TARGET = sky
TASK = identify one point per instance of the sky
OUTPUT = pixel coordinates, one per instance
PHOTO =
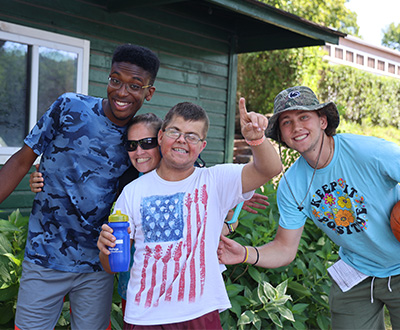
(373, 16)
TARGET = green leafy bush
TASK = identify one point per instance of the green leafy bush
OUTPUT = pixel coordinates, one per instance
(300, 299)
(291, 297)
(13, 234)
(362, 97)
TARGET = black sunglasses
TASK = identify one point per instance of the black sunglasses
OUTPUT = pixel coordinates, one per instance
(145, 144)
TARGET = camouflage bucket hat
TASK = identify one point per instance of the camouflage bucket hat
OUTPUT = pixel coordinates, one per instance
(300, 98)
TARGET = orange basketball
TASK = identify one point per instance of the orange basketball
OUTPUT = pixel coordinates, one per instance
(395, 220)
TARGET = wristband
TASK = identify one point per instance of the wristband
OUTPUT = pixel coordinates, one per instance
(236, 213)
(258, 256)
(255, 143)
(246, 254)
(230, 227)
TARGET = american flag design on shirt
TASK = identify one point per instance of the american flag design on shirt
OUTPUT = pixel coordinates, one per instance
(173, 267)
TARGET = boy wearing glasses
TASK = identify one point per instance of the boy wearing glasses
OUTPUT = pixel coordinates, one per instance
(81, 140)
(177, 213)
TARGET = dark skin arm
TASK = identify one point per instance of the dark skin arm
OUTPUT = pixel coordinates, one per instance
(14, 170)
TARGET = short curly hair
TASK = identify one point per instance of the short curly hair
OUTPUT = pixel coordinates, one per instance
(140, 56)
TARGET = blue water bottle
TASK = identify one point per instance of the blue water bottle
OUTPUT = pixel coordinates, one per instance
(119, 257)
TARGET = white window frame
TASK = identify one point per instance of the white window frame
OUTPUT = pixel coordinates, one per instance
(37, 38)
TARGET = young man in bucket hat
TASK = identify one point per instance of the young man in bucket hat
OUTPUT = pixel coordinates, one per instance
(347, 184)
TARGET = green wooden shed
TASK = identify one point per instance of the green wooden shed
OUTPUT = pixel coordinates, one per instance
(197, 42)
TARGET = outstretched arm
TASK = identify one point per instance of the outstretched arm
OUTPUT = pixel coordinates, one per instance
(266, 163)
(280, 252)
(14, 170)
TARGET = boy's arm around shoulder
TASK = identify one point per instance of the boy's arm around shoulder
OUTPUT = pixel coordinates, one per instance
(266, 163)
(14, 170)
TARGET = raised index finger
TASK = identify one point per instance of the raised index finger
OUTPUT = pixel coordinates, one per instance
(242, 109)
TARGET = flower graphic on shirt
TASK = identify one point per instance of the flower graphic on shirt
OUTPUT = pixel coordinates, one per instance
(329, 199)
(360, 200)
(344, 202)
(316, 213)
(338, 206)
(344, 218)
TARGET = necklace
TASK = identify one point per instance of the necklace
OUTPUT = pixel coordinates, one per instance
(330, 153)
(299, 207)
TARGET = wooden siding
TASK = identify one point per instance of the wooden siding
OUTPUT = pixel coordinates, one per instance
(21, 199)
(194, 55)
(197, 63)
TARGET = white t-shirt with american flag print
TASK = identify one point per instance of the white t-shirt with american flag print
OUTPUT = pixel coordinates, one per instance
(176, 227)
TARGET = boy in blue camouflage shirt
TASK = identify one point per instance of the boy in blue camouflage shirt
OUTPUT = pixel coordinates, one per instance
(80, 139)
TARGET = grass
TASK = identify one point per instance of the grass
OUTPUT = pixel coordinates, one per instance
(388, 325)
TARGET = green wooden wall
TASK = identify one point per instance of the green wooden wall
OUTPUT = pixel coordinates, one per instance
(21, 199)
(197, 60)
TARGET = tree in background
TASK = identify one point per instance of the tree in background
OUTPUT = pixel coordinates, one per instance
(262, 75)
(391, 36)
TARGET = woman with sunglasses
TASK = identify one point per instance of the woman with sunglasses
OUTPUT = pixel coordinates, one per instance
(142, 146)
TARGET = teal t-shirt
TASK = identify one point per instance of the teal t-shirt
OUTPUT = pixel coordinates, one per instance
(350, 200)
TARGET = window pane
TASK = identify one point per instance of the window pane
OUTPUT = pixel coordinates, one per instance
(13, 93)
(371, 62)
(57, 75)
(339, 53)
(360, 59)
(349, 56)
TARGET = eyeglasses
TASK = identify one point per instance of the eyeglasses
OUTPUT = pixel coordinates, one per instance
(145, 144)
(131, 88)
(189, 138)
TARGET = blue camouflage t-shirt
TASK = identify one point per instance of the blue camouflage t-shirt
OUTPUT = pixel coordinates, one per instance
(82, 158)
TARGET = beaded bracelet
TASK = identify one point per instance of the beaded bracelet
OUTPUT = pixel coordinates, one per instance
(246, 254)
(258, 256)
(255, 143)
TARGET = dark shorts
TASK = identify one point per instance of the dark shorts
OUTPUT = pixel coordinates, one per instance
(210, 321)
(362, 307)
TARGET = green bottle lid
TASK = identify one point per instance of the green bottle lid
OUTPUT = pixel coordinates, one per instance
(118, 217)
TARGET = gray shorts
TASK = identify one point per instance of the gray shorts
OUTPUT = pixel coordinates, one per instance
(42, 291)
